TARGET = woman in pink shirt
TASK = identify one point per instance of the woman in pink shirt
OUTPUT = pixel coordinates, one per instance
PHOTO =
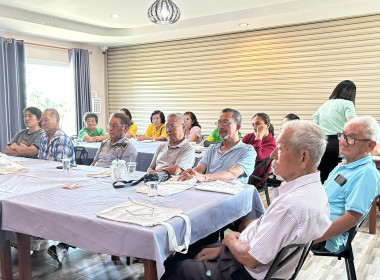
(262, 139)
(192, 128)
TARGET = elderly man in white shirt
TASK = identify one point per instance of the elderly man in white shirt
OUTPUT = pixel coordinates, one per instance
(298, 215)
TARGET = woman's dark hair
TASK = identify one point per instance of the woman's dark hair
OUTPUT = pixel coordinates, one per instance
(344, 90)
(193, 119)
(266, 120)
(34, 111)
(90, 115)
(127, 112)
(162, 116)
(292, 117)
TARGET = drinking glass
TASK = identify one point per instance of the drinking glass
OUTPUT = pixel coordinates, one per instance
(66, 164)
(131, 169)
(152, 187)
(119, 170)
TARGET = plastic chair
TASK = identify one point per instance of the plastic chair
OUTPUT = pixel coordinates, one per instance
(273, 181)
(81, 155)
(286, 254)
(262, 185)
(346, 252)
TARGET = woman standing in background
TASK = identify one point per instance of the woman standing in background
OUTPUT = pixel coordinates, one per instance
(332, 116)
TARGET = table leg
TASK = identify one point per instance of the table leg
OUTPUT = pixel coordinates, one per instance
(150, 269)
(24, 261)
(6, 264)
(372, 217)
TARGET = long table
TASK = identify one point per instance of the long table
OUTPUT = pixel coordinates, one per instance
(41, 175)
(70, 216)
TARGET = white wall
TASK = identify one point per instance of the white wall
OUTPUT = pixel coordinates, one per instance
(97, 65)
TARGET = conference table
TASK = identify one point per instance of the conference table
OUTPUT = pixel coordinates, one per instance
(145, 149)
(43, 208)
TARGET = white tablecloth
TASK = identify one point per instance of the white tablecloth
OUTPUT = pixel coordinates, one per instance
(42, 175)
(69, 215)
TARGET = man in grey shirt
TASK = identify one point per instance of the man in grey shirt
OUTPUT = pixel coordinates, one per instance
(26, 142)
(117, 146)
(176, 154)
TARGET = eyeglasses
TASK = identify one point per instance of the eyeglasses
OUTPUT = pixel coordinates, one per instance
(114, 126)
(172, 126)
(349, 139)
(224, 123)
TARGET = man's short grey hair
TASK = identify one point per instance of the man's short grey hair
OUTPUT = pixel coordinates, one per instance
(309, 136)
(124, 119)
(53, 113)
(235, 115)
(370, 126)
(178, 116)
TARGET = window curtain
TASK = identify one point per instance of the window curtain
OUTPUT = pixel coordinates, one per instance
(12, 89)
(79, 64)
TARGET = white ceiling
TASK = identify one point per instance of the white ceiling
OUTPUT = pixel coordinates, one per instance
(89, 21)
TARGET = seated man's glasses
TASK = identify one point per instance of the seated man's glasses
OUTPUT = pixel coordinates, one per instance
(172, 126)
(349, 139)
(224, 123)
(114, 126)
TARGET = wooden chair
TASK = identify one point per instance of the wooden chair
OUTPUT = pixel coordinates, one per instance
(283, 257)
(261, 184)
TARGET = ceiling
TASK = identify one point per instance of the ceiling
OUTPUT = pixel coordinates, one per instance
(90, 21)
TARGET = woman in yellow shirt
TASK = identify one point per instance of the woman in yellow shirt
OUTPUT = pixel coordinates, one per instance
(133, 128)
(156, 130)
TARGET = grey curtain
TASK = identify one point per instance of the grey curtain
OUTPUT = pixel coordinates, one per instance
(12, 89)
(79, 64)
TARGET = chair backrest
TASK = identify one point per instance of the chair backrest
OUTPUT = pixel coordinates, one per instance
(266, 162)
(143, 161)
(287, 254)
(346, 252)
(273, 181)
(352, 232)
(81, 155)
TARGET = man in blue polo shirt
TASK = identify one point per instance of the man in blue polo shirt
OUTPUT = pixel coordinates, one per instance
(229, 160)
(352, 185)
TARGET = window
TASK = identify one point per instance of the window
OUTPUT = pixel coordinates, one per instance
(49, 85)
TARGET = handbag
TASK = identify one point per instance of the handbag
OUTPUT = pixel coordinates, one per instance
(159, 176)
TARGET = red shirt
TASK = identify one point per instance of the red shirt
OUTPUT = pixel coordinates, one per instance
(263, 150)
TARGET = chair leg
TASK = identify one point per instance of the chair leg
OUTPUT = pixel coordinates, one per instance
(221, 234)
(267, 196)
(350, 269)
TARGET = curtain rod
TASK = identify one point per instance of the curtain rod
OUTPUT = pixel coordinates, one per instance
(42, 45)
